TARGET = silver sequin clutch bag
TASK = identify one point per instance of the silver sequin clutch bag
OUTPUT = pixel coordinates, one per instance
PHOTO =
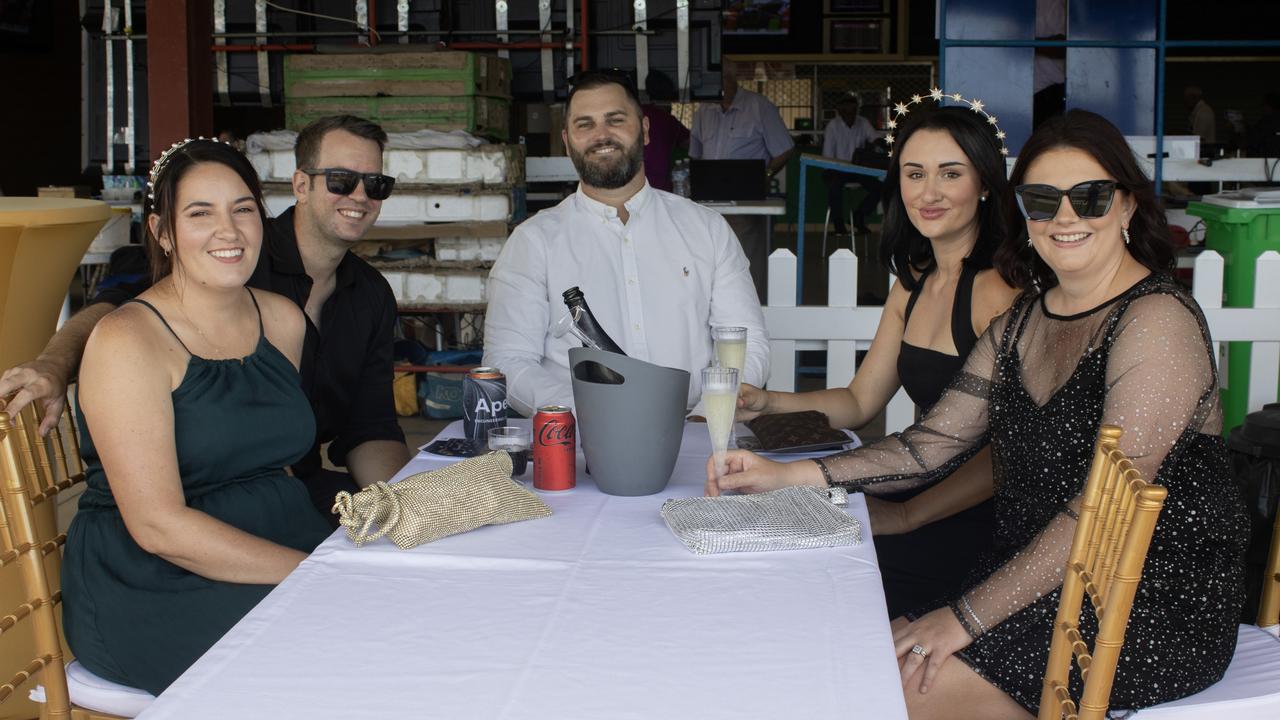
(793, 518)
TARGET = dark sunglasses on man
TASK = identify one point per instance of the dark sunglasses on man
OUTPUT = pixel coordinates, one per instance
(341, 181)
(1090, 199)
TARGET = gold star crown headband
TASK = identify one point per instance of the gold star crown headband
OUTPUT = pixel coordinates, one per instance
(901, 109)
(158, 166)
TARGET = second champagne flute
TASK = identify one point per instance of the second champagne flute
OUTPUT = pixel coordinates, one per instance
(719, 403)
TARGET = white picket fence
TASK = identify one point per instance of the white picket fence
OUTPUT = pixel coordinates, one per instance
(842, 327)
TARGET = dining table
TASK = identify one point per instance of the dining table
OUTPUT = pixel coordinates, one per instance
(597, 611)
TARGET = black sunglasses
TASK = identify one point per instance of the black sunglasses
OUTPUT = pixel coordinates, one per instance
(1090, 199)
(341, 181)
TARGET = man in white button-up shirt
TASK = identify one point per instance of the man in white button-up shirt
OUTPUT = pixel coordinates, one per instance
(844, 135)
(658, 271)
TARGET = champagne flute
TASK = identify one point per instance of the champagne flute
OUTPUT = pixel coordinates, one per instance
(719, 403)
(731, 347)
(568, 323)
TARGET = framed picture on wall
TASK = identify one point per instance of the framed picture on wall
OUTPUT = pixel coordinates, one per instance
(756, 17)
(857, 35)
(847, 7)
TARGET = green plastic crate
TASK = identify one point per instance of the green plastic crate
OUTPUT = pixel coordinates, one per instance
(477, 114)
(396, 74)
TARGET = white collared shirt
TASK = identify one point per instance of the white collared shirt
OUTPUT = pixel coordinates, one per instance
(657, 285)
(751, 129)
(840, 140)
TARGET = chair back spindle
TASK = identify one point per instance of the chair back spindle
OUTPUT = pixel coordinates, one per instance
(1118, 516)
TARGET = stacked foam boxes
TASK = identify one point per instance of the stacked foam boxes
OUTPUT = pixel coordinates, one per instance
(444, 225)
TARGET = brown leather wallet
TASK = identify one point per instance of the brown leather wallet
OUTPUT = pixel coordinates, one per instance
(804, 431)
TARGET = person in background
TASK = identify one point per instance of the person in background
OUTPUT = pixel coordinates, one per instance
(944, 219)
(1264, 135)
(1107, 337)
(844, 135)
(1200, 116)
(350, 311)
(191, 409)
(743, 126)
(659, 271)
(666, 133)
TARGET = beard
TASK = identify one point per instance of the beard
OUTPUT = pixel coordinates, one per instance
(609, 173)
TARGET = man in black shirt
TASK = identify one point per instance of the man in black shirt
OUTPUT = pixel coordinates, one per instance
(346, 361)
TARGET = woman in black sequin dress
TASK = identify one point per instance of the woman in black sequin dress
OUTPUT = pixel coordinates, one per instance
(1111, 339)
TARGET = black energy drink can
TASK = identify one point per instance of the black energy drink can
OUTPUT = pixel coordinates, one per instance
(484, 405)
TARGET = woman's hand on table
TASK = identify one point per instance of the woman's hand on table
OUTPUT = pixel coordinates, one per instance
(939, 634)
(752, 402)
(887, 518)
(749, 473)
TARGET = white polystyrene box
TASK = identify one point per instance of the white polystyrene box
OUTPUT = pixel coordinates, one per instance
(396, 280)
(466, 248)
(434, 286)
(412, 207)
(114, 234)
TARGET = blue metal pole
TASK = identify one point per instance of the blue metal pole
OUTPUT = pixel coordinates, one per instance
(942, 44)
(804, 174)
(1160, 59)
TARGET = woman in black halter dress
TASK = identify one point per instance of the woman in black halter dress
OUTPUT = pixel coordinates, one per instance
(945, 195)
(1108, 338)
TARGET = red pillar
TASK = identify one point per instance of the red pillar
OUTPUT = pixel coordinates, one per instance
(180, 71)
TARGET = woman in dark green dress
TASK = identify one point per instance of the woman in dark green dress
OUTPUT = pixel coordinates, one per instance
(191, 408)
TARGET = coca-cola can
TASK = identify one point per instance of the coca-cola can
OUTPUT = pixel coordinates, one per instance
(554, 441)
(484, 405)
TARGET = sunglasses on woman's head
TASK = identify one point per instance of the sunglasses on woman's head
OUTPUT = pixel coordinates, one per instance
(1090, 199)
(341, 181)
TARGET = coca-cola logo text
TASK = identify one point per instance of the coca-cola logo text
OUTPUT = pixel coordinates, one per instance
(555, 433)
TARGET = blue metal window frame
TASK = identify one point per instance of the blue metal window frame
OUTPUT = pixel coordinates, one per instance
(1161, 44)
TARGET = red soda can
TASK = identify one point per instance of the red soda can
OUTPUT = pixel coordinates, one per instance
(554, 441)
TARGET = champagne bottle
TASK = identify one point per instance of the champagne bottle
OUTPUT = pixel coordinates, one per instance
(586, 321)
(589, 331)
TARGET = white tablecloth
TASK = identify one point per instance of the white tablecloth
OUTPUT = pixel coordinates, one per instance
(596, 612)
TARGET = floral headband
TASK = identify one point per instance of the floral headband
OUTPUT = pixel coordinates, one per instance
(901, 109)
(159, 165)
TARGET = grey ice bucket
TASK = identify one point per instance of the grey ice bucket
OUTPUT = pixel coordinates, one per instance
(630, 431)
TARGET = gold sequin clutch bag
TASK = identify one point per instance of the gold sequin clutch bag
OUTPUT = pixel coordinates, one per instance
(431, 505)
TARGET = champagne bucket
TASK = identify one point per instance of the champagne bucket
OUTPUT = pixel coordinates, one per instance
(630, 431)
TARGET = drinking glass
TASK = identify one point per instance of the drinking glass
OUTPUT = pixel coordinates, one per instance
(731, 347)
(719, 403)
(516, 441)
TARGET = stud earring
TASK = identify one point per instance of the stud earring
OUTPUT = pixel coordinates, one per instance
(1125, 233)
(1029, 241)
(982, 199)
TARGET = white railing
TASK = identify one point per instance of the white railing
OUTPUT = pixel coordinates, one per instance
(842, 327)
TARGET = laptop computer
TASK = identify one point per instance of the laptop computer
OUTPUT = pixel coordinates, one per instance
(725, 180)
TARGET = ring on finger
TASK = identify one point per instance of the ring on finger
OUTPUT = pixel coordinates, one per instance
(920, 650)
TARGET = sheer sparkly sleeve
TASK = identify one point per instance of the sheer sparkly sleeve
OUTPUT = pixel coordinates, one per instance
(1161, 382)
(953, 431)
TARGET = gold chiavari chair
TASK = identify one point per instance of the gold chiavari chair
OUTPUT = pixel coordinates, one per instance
(1117, 518)
(34, 470)
(1269, 607)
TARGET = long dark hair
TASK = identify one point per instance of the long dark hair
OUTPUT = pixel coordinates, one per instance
(165, 193)
(1150, 244)
(901, 244)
